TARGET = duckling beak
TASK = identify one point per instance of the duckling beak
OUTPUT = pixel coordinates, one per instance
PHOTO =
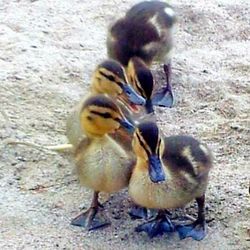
(127, 125)
(132, 96)
(156, 173)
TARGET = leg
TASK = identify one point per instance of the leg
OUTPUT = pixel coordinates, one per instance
(91, 219)
(165, 96)
(196, 230)
(161, 224)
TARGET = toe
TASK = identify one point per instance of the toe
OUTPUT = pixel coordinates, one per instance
(197, 232)
(183, 231)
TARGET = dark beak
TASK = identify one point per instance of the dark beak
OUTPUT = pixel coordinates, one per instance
(127, 125)
(132, 96)
(156, 172)
(149, 106)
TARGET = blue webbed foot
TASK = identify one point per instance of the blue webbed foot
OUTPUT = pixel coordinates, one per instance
(158, 226)
(195, 230)
(91, 220)
(164, 97)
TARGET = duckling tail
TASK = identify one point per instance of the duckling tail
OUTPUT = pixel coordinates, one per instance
(57, 148)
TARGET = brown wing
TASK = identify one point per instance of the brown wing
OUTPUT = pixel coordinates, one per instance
(184, 153)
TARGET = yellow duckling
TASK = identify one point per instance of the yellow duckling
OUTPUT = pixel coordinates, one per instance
(169, 173)
(109, 78)
(102, 164)
(145, 32)
(141, 79)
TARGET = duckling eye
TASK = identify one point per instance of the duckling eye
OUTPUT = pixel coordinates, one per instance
(127, 91)
(109, 77)
(105, 115)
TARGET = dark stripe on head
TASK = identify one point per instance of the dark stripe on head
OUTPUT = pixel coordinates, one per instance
(109, 77)
(150, 133)
(100, 101)
(114, 67)
(105, 115)
(144, 77)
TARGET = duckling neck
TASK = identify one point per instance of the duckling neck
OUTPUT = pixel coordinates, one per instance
(93, 136)
(94, 90)
(141, 163)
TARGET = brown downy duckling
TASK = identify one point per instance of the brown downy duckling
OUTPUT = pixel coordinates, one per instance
(102, 164)
(110, 78)
(169, 173)
(145, 32)
(141, 78)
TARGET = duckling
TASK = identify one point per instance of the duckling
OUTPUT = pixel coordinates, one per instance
(169, 173)
(145, 32)
(109, 78)
(141, 78)
(102, 164)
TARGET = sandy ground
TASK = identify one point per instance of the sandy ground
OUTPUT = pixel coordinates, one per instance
(48, 50)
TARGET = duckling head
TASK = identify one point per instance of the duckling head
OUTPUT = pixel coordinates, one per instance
(142, 80)
(148, 147)
(101, 115)
(109, 78)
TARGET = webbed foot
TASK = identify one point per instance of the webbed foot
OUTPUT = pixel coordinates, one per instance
(161, 224)
(91, 220)
(137, 212)
(164, 98)
(195, 230)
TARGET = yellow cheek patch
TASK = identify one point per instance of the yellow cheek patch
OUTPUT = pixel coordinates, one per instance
(109, 82)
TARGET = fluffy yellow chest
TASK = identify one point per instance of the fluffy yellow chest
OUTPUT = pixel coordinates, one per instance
(175, 191)
(104, 166)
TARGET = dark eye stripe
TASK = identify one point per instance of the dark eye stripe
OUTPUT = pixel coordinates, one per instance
(142, 144)
(105, 115)
(109, 77)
